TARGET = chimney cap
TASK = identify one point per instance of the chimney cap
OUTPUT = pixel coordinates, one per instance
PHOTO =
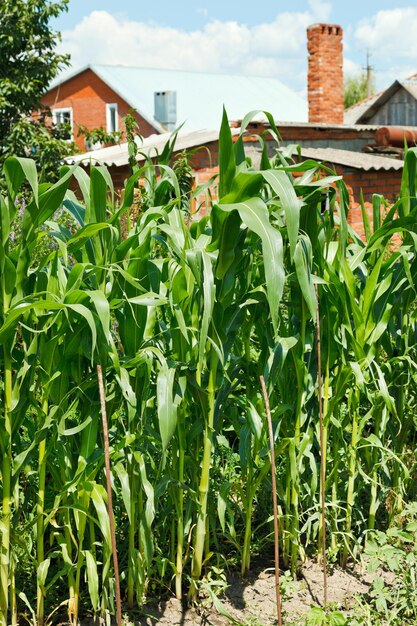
(326, 29)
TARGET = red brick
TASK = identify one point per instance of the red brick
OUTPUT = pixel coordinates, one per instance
(325, 73)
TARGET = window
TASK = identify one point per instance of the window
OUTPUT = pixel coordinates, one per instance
(111, 118)
(63, 117)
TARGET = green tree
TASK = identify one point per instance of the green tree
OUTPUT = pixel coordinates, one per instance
(29, 62)
(356, 89)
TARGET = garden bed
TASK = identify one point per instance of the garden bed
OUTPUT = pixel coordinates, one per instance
(251, 601)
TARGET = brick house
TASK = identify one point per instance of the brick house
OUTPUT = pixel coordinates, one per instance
(101, 95)
(85, 99)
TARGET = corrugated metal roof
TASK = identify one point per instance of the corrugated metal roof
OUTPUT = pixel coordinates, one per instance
(118, 155)
(201, 96)
(320, 125)
(357, 160)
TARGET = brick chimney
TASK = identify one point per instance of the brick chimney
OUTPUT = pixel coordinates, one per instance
(325, 73)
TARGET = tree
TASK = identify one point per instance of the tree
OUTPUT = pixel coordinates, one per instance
(29, 62)
(357, 89)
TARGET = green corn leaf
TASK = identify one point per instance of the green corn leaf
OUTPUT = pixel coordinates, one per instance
(148, 518)
(272, 126)
(148, 299)
(377, 201)
(42, 573)
(208, 298)
(92, 579)
(98, 196)
(227, 166)
(17, 170)
(408, 183)
(291, 204)
(303, 259)
(76, 210)
(254, 214)
(70, 432)
(245, 185)
(99, 498)
(87, 232)
(255, 421)
(25, 600)
(83, 181)
(15, 313)
(167, 408)
(371, 285)
(277, 359)
(123, 477)
(102, 307)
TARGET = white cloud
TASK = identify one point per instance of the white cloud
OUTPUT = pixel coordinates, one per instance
(350, 68)
(390, 35)
(275, 49)
(320, 9)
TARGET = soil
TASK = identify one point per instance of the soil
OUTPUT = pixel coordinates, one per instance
(251, 601)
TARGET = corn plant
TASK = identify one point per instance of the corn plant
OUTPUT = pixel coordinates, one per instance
(184, 317)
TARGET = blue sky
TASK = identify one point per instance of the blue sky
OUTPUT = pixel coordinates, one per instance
(230, 36)
(190, 14)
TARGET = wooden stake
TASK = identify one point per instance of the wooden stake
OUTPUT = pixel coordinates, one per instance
(109, 494)
(322, 454)
(274, 499)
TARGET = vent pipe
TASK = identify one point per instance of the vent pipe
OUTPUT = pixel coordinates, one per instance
(166, 108)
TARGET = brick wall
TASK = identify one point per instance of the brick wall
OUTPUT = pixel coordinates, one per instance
(88, 95)
(207, 189)
(325, 73)
(355, 217)
(385, 182)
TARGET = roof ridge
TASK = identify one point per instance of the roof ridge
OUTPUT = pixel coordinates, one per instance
(182, 71)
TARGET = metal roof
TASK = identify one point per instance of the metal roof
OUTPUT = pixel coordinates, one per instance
(152, 146)
(356, 160)
(315, 125)
(200, 96)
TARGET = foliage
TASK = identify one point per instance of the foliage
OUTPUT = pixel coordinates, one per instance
(318, 616)
(393, 556)
(184, 174)
(356, 89)
(99, 136)
(44, 142)
(184, 318)
(29, 63)
(132, 135)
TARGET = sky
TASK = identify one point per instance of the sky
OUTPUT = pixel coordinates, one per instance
(265, 38)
